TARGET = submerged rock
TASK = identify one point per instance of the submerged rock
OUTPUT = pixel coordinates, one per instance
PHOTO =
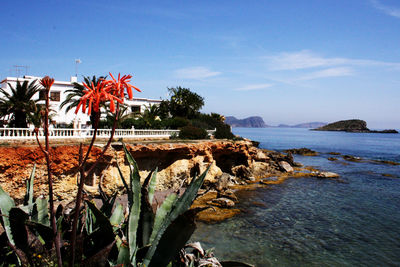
(222, 202)
(302, 151)
(326, 175)
(351, 158)
(389, 162)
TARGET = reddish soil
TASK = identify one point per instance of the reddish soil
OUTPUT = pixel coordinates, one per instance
(16, 164)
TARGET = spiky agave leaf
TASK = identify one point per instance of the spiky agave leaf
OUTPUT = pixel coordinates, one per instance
(152, 186)
(134, 206)
(6, 204)
(117, 217)
(162, 213)
(40, 213)
(180, 206)
(174, 238)
(103, 233)
(28, 198)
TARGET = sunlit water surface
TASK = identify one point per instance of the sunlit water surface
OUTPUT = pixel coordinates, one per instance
(316, 222)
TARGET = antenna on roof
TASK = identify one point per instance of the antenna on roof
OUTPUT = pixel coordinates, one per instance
(18, 69)
(77, 61)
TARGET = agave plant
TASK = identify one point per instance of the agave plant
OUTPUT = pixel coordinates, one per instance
(26, 227)
(107, 236)
(144, 237)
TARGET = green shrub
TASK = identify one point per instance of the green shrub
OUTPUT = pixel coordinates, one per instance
(176, 123)
(137, 123)
(105, 124)
(223, 132)
(193, 133)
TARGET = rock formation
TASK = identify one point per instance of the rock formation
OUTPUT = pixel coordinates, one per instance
(232, 164)
(250, 122)
(353, 126)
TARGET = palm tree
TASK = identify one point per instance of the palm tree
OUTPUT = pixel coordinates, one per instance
(19, 103)
(150, 115)
(74, 95)
(151, 112)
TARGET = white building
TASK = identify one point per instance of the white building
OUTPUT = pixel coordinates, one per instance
(58, 95)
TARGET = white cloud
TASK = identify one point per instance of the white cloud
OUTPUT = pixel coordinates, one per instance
(298, 60)
(254, 87)
(195, 73)
(331, 72)
(305, 59)
(389, 10)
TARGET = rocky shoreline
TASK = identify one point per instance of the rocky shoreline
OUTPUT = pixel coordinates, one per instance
(235, 165)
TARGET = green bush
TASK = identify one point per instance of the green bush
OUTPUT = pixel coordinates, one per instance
(223, 132)
(193, 133)
(129, 122)
(105, 124)
(207, 121)
(175, 123)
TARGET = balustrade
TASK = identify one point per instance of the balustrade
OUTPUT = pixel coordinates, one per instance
(54, 133)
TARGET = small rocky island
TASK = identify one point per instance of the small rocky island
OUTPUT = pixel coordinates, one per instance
(352, 126)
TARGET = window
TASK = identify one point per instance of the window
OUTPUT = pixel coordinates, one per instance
(55, 96)
(136, 109)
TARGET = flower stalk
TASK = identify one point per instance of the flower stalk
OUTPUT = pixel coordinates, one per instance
(105, 91)
(47, 82)
(112, 91)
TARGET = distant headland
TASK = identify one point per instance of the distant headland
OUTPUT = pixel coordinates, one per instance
(315, 124)
(250, 122)
(353, 126)
(258, 122)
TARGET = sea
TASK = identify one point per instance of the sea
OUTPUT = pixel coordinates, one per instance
(350, 221)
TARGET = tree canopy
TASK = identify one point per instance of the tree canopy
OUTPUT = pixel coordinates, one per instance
(183, 102)
(19, 103)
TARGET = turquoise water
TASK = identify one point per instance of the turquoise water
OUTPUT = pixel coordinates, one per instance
(315, 222)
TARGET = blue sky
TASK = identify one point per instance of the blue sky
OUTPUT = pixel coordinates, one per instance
(286, 61)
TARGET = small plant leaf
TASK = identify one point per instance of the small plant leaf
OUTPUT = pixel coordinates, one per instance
(28, 199)
(6, 203)
(103, 233)
(42, 211)
(17, 224)
(44, 232)
(117, 217)
(123, 252)
(152, 186)
(146, 220)
(128, 189)
(108, 205)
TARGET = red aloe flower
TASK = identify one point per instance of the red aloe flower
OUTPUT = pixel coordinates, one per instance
(94, 96)
(47, 82)
(118, 87)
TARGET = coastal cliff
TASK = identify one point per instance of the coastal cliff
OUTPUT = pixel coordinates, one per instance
(234, 165)
(231, 161)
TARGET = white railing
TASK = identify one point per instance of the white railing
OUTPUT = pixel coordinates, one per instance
(60, 133)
